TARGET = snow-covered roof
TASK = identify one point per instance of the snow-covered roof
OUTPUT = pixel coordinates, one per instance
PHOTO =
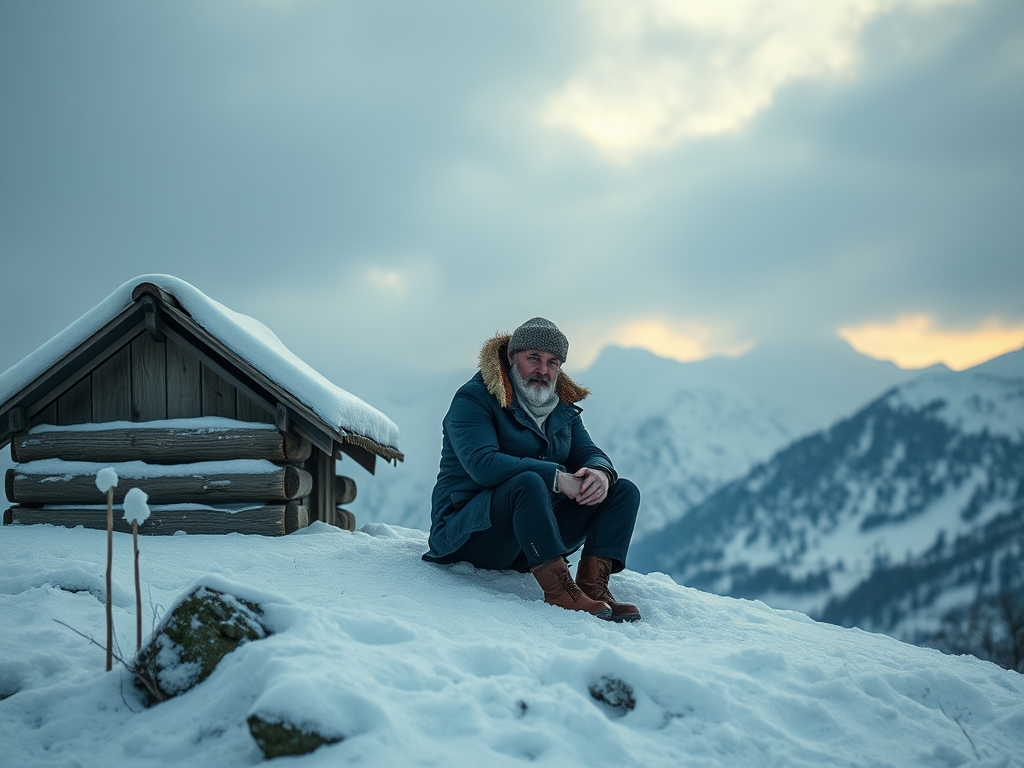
(245, 336)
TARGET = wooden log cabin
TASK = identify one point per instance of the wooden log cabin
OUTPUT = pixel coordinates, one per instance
(203, 409)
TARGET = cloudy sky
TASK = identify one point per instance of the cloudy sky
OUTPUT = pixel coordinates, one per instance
(385, 184)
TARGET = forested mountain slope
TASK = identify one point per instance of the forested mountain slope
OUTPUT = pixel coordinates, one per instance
(890, 520)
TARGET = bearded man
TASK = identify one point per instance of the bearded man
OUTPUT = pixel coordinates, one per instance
(522, 485)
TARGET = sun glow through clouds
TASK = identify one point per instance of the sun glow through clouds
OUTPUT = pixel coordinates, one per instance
(685, 344)
(915, 341)
(390, 280)
(663, 71)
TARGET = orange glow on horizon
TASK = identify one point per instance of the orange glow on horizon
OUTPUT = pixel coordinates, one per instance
(691, 343)
(915, 341)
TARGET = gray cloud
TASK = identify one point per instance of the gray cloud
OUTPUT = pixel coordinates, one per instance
(373, 180)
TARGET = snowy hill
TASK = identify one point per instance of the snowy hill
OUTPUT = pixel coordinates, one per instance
(888, 520)
(418, 664)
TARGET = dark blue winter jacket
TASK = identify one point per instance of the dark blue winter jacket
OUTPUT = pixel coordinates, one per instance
(489, 438)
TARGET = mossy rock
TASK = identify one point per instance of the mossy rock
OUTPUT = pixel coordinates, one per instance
(204, 628)
(281, 739)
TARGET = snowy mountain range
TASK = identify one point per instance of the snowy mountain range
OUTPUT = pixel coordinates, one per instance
(682, 430)
(888, 520)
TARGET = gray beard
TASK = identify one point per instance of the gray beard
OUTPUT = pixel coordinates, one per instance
(538, 401)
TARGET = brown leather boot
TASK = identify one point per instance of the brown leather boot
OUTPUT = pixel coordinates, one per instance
(559, 589)
(592, 577)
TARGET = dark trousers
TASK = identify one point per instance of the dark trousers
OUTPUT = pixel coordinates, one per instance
(530, 526)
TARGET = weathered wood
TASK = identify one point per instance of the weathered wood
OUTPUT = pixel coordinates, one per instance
(364, 458)
(160, 445)
(75, 405)
(149, 379)
(70, 369)
(248, 409)
(322, 504)
(218, 395)
(183, 330)
(112, 388)
(184, 383)
(152, 289)
(344, 519)
(344, 489)
(153, 329)
(46, 416)
(283, 484)
(17, 419)
(281, 418)
(269, 520)
(9, 484)
(296, 516)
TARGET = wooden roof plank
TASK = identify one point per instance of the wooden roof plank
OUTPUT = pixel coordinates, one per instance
(65, 373)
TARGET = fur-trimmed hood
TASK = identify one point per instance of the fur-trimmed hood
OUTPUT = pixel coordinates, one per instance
(494, 369)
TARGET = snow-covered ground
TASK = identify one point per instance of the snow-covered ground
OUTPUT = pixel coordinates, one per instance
(419, 664)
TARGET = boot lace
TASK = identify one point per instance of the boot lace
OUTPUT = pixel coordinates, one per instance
(570, 586)
(604, 571)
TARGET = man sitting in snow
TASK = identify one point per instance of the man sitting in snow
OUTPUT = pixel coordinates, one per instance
(522, 484)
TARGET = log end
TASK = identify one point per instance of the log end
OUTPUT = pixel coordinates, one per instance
(15, 441)
(344, 490)
(345, 519)
(297, 482)
(296, 449)
(296, 516)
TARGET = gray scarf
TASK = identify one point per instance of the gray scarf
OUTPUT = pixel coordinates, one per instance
(529, 398)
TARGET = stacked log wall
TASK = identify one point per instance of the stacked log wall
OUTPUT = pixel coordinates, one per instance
(180, 477)
(152, 377)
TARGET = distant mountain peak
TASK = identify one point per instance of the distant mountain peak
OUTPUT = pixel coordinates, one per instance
(888, 520)
(1010, 365)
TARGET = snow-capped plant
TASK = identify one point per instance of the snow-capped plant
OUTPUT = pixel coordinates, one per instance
(136, 511)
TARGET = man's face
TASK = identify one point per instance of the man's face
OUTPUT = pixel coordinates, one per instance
(537, 369)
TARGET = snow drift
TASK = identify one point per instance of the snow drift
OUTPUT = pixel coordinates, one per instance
(418, 664)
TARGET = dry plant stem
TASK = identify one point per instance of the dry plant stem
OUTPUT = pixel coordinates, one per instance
(110, 568)
(138, 588)
(143, 679)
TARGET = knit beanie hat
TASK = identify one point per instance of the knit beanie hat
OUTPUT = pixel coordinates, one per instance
(540, 334)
